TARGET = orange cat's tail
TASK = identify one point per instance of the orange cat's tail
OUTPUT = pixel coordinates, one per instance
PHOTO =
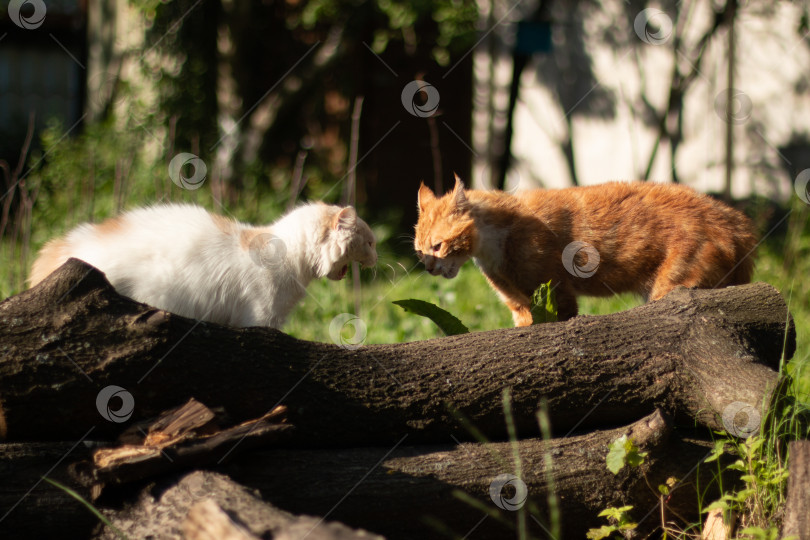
(745, 247)
(744, 270)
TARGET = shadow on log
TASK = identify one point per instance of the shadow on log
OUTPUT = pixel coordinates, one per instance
(693, 354)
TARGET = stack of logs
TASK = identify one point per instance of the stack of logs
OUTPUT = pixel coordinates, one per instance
(176, 428)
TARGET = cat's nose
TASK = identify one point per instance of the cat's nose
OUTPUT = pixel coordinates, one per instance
(430, 262)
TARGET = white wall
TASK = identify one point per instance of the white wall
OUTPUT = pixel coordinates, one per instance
(772, 69)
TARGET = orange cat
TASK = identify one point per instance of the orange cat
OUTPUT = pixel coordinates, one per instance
(598, 240)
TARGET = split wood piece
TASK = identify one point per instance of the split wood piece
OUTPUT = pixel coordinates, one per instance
(797, 508)
(694, 353)
(190, 419)
(180, 439)
(205, 505)
(411, 491)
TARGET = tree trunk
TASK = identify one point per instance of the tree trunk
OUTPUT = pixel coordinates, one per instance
(694, 354)
(797, 506)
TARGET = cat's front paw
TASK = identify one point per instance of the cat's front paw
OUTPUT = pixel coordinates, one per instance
(522, 316)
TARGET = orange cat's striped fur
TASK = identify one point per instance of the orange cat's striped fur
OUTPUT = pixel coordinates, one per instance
(598, 240)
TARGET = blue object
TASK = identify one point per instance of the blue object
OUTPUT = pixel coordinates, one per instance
(533, 37)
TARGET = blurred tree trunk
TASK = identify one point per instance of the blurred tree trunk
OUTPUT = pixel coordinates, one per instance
(796, 522)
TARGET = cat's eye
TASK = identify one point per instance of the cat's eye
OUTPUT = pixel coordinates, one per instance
(437, 247)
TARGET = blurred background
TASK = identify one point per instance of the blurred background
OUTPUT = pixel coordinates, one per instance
(249, 107)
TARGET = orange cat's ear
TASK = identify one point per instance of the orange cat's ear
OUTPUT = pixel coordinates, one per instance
(425, 196)
(345, 219)
(459, 198)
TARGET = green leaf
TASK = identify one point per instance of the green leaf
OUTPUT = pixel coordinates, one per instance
(634, 457)
(738, 465)
(544, 304)
(742, 495)
(717, 451)
(445, 320)
(602, 532)
(616, 513)
(717, 505)
(753, 444)
(616, 455)
(623, 452)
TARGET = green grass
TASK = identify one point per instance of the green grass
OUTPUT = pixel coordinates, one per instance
(468, 296)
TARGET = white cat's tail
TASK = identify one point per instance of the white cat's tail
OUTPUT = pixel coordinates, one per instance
(52, 255)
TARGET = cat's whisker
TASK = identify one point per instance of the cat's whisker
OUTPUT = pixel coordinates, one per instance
(393, 273)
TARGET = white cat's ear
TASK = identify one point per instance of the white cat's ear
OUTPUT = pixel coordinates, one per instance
(459, 198)
(345, 219)
(425, 196)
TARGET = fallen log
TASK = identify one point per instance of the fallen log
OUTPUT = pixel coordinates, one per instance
(70, 339)
(413, 491)
(408, 491)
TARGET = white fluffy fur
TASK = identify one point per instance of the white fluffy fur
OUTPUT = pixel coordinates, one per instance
(182, 259)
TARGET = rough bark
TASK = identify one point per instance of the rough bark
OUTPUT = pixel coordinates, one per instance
(797, 507)
(692, 353)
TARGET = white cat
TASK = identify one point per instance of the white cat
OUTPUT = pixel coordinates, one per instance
(185, 260)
